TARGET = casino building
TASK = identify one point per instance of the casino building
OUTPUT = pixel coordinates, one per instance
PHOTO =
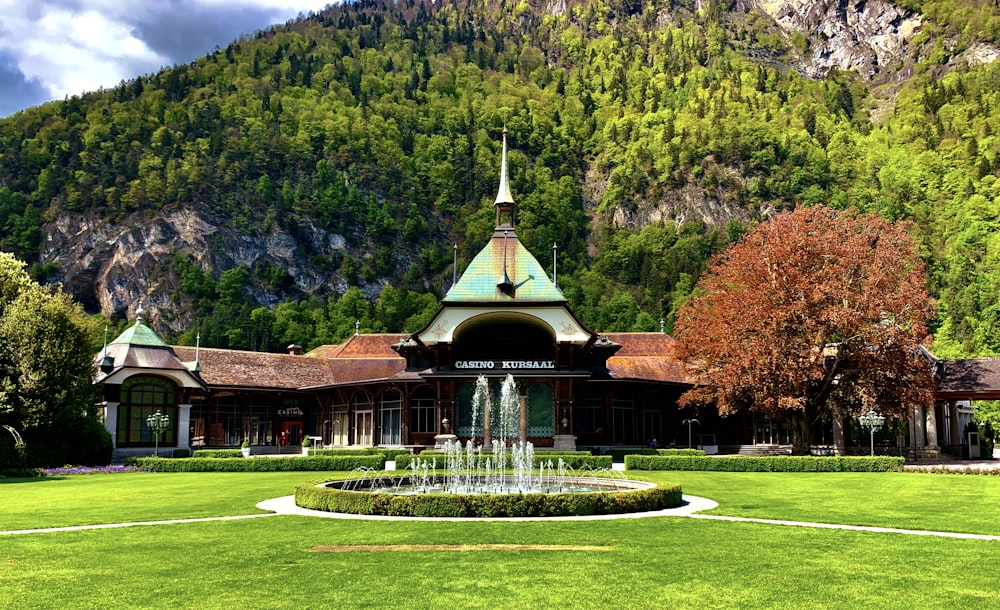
(504, 316)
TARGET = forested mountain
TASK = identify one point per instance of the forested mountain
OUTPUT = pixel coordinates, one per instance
(321, 172)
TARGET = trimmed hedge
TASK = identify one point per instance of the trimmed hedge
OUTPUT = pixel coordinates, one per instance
(487, 505)
(231, 453)
(217, 453)
(576, 461)
(285, 464)
(774, 463)
(619, 454)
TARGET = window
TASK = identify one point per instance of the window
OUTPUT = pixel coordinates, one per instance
(390, 410)
(143, 396)
(423, 411)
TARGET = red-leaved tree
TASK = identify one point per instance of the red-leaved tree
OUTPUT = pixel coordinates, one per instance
(816, 313)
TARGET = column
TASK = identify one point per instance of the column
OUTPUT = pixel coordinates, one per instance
(111, 421)
(918, 426)
(956, 430)
(932, 439)
(184, 426)
(523, 406)
(839, 447)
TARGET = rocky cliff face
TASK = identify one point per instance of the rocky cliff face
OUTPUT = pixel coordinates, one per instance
(111, 265)
(863, 35)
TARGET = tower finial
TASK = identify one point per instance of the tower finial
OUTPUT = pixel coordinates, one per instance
(503, 193)
(139, 313)
(504, 204)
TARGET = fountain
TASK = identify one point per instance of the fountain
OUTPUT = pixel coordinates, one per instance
(496, 478)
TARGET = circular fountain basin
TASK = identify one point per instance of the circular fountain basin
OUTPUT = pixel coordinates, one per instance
(429, 497)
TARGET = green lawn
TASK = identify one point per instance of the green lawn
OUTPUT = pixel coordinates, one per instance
(665, 562)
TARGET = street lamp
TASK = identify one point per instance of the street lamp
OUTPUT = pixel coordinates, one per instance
(688, 423)
(158, 422)
(873, 421)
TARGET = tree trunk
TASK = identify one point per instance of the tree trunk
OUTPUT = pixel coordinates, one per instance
(800, 434)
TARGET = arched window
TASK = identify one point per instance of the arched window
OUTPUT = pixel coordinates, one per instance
(142, 396)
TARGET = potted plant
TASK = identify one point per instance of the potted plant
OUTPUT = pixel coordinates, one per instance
(245, 447)
(306, 444)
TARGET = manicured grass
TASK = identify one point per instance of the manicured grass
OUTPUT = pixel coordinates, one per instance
(627, 563)
(139, 496)
(908, 500)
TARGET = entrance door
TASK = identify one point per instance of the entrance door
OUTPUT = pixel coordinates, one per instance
(767, 433)
(291, 432)
(364, 428)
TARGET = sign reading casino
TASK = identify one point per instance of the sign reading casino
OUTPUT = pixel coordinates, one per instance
(504, 364)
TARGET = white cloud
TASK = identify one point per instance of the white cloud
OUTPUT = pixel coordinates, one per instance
(73, 46)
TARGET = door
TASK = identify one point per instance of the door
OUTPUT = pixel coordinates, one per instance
(291, 433)
(364, 428)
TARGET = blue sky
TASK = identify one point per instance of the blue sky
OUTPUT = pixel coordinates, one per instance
(50, 49)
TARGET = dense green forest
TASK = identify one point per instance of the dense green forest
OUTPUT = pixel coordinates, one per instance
(379, 122)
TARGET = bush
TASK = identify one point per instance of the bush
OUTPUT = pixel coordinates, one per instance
(240, 464)
(332, 499)
(81, 440)
(774, 463)
(217, 453)
(619, 454)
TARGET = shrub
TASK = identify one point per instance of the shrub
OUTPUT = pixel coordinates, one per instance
(332, 499)
(619, 454)
(774, 463)
(239, 464)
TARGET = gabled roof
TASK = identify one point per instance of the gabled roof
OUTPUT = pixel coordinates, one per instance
(647, 357)
(361, 346)
(972, 379)
(478, 283)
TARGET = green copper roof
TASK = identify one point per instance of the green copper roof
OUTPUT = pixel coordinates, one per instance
(139, 334)
(531, 284)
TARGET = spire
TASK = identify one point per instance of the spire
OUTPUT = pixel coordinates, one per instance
(197, 353)
(503, 193)
(505, 284)
(504, 204)
(139, 313)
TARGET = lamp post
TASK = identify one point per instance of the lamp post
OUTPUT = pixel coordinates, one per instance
(873, 421)
(689, 423)
(158, 422)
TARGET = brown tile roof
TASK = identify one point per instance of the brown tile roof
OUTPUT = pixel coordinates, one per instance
(235, 368)
(974, 378)
(361, 346)
(646, 357)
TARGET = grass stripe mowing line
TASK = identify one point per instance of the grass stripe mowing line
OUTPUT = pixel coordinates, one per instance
(104, 526)
(837, 526)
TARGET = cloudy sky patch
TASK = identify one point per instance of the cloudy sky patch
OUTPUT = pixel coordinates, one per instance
(50, 49)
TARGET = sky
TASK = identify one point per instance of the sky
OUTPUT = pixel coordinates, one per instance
(50, 49)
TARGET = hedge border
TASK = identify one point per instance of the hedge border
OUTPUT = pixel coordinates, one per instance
(329, 499)
(260, 464)
(775, 463)
(619, 454)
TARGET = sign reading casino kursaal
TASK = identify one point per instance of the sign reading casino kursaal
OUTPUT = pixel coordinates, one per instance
(504, 364)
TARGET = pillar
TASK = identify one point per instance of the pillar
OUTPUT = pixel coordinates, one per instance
(839, 448)
(956, 430)
(111, 421)
(523, 426)
(932, 436)
(919, 422)
(184, 426)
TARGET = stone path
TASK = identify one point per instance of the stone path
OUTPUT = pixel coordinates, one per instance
(692, 506)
